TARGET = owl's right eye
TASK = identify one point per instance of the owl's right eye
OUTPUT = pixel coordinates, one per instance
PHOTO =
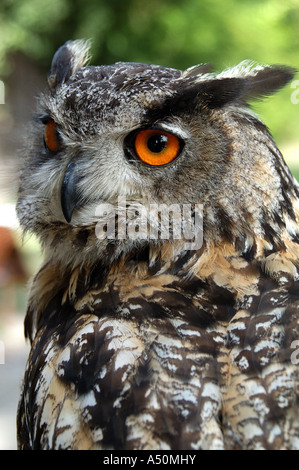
(51, 136)
(154, 147)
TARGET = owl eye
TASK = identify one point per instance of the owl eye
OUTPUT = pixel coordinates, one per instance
(51, 136)
(156, 148)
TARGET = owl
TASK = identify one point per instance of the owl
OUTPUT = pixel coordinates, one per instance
(165, 315)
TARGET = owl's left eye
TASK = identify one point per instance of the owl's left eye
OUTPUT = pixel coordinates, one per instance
(51, 136)
(156, 148)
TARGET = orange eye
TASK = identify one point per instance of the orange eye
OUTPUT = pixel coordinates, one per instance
(156, 147)
(51, 136)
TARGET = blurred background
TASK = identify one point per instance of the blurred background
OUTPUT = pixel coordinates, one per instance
(175, 33)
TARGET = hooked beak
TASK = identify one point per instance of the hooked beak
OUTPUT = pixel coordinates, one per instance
(70, 197)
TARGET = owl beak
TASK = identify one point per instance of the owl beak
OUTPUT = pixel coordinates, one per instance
(70, 197)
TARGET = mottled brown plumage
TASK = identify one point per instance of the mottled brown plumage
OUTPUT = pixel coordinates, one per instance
(142, 343)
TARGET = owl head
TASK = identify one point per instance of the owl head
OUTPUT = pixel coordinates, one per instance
(109, 140)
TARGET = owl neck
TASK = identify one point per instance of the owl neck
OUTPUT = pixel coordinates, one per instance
(230, 268)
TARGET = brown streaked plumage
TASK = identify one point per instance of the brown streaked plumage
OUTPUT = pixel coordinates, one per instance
(142, 343)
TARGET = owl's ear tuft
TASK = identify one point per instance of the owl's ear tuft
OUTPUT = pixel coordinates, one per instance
(67, 60)
(243, 84)
(267, 80)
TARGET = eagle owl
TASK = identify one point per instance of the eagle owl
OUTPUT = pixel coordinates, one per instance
(141, 340)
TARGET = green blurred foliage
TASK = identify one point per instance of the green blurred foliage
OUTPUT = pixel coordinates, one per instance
(176, 33)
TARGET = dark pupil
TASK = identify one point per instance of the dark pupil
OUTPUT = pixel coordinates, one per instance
(157, 143)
